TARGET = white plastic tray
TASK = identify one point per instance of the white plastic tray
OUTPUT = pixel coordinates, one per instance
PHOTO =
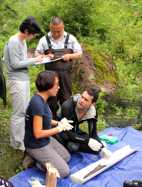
(98, 167)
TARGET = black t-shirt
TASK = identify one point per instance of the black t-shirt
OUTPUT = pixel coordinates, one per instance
(37, 106)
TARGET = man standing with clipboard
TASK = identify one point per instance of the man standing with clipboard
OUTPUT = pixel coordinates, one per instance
(58, 43)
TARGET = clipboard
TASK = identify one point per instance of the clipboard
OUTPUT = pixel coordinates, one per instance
(48, 60)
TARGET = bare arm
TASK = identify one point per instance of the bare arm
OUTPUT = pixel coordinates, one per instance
(15, 56)
(54, 122)
(51, 176)
(38, 130)
(73, 56)
(37, 53)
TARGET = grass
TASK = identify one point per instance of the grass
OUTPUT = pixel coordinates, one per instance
(10, 159)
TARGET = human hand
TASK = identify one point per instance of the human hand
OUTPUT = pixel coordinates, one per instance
(50, 55)
(104, 143)
(66, 57)
(64, 125)
(105, 153)
(51, 170)
(39, 58)
(52, 175)
(94, 144)
(36, 183)
(70, 121)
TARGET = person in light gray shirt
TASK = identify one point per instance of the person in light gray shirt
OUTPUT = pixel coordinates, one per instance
(17, 62)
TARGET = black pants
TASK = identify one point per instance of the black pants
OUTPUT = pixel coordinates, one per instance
(64, 93)
(75, 142)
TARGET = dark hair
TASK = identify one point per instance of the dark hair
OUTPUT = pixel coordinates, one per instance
(45, 80)
(55, 20)
(30, 25)
(94, 92)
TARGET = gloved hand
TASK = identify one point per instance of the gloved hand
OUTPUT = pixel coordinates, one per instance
(94, 144)
(64, 125)
(36, 183)
(105, 153)
(104, 144)
(51, 170)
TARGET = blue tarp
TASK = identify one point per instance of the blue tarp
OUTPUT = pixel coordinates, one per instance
(127, 169)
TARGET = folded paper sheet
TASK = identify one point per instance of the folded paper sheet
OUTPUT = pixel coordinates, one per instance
(98, 167)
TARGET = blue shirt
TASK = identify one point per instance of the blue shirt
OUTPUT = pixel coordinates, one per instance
(37, 106)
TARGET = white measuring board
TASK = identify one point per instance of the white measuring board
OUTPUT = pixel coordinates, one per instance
(98, 167)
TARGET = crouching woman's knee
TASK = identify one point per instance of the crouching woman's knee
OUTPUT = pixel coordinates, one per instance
(67, 157)
(64, 171)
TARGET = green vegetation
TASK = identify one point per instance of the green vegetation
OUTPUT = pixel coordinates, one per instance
(111, 32)
(11, 160)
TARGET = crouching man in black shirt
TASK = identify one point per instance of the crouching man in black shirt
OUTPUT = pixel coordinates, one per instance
(81, 108)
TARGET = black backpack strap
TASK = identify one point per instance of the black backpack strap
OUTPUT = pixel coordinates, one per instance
(66, 41)
(48, 41)
(2, 84)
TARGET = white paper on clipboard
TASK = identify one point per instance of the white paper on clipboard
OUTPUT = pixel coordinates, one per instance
(48, 60)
